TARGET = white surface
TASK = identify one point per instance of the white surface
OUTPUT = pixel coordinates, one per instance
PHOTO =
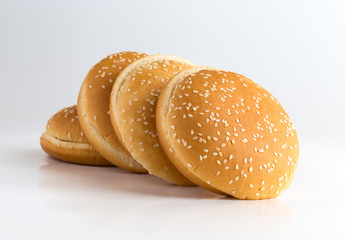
(42, 198)
(293, 48)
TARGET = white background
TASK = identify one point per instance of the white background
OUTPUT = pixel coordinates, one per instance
(295, 49)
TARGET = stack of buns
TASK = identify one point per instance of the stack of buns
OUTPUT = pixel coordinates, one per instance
(189, 125)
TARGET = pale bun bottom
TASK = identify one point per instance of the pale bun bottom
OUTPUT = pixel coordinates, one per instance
(79, 153)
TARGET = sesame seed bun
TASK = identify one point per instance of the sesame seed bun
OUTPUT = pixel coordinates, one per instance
(65, 140)
(93, 109)
(228, 132)
(133, 108)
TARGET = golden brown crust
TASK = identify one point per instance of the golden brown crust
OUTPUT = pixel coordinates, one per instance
(132, 109)
(93, 109)
(228, 131)
(65, 140)
(163, 129)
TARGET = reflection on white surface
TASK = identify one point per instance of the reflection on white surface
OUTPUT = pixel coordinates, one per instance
(112, 180)
(106, 186)
(47, 198)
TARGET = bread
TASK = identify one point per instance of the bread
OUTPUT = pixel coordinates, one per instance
(228, 132)
(132, 110)
(65, 140)
(93, 109)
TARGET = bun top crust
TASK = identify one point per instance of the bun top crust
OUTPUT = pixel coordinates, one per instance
(133, 112)
(64, 125)
(93, 106)
(228, 131)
